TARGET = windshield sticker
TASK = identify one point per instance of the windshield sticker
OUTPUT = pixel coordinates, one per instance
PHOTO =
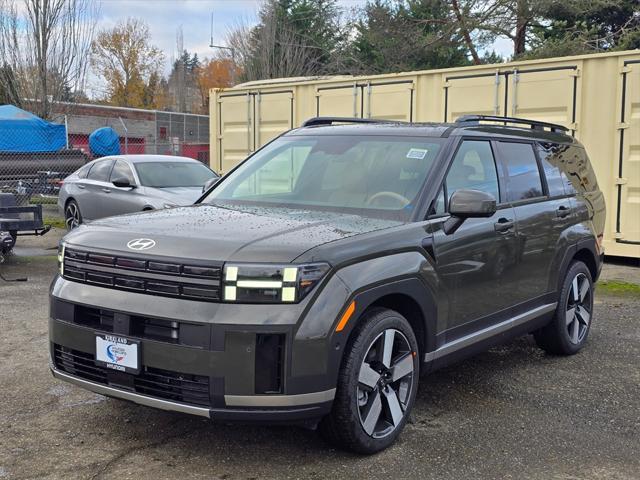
(417, 153)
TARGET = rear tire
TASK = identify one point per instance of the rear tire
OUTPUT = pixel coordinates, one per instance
(567, 333)
(377, 384)
(72, 215)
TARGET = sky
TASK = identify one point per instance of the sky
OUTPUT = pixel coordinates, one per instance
(164, 17)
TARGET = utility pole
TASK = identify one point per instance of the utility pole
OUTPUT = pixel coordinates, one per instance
(230, 49)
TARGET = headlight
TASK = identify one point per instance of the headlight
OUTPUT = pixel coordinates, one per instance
(266, 283)
(61, 258)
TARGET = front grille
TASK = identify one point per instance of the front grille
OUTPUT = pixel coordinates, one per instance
(132, 325)
(97, 318)
(79, 364)
(138, 326)
(174, 386)
(144, 275)
(154, 382)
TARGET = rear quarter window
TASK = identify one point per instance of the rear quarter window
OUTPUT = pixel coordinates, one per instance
(82, 172)
(557, 180)
(575, 168)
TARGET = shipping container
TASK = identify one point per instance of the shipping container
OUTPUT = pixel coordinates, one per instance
(596, 96)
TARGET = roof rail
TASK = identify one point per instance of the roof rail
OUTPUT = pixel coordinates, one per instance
(331, 120)
(535, 124)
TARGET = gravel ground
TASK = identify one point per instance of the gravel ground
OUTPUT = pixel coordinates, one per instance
(512, 412)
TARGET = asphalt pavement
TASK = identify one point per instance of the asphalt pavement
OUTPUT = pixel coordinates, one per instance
(512, 412)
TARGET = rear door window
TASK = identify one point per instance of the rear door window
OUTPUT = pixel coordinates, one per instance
(521, 167)
(100, 171)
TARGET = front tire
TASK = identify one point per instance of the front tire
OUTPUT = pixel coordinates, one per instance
(377, 384)
(567, 333)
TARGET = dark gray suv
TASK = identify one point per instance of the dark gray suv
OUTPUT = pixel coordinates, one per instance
(319, 278)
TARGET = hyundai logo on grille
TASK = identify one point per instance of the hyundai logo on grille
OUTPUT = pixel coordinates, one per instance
(141, 244)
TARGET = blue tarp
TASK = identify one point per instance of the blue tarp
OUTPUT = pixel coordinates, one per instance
(104, 141)
(22, 131)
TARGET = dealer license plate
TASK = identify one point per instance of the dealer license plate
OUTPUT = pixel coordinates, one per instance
(118, 353)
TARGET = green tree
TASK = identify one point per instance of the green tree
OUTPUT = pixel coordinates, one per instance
(292, 38)
(407, 35)
(573, 27)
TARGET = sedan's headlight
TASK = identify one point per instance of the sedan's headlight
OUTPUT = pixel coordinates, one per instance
(268, 283)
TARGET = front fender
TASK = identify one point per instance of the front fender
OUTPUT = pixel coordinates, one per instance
(317, 349)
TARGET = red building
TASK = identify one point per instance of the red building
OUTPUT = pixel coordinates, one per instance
(141, 131)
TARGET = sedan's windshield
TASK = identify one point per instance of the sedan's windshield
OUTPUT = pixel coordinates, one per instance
(367, 175)
(173, 174)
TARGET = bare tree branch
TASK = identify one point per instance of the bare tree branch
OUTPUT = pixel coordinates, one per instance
(44, 51)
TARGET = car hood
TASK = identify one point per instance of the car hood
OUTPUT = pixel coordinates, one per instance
(248, 234)
(181, 196)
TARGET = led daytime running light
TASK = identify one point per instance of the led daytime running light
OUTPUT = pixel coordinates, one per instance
(286, 287)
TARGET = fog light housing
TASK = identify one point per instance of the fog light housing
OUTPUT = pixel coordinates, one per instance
(269, 283)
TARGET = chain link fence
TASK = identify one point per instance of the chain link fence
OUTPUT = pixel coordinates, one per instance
(34, 176)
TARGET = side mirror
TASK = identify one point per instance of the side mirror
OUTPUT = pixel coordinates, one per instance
(210, 183)
(122, 182)
(468, 204)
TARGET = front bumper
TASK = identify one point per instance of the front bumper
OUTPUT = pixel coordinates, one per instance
(227, 372)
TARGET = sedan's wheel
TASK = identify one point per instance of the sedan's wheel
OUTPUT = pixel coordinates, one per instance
(377, 384)
(72, 217)
(567, 333)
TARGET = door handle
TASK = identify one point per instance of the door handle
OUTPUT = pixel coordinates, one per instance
(503, 225)
(562, 211)
(106, 190)
(82, 187)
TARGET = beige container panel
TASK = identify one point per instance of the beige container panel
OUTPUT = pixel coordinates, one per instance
(273, 111)
(339, 102)
(546, 96)
(235, 121)
(389, 102)
(630, 201)
(474, 95)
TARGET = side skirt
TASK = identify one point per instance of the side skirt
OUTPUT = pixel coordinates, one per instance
(490, 336)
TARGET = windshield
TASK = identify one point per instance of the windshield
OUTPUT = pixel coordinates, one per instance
(366, 175)
(173, 174)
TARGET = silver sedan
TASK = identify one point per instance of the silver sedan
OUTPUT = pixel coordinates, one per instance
(131, 183)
